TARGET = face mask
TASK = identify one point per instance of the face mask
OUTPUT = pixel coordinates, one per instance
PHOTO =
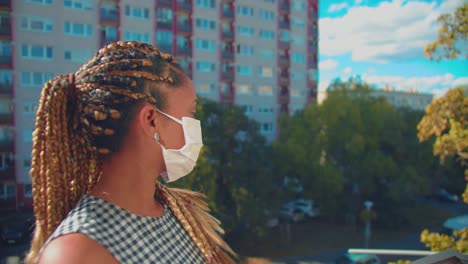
(180, 162)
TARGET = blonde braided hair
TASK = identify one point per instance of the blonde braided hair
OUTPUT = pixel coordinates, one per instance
(83, 117)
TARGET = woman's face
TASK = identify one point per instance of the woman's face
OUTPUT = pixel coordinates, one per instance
(180, 102)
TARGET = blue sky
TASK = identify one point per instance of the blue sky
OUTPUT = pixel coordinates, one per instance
(383, 42)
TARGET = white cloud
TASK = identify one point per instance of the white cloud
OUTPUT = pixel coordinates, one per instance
(337, 7)
(347, 70)
(391, 31)
(328, 64)
(357, 2)
(436, 85)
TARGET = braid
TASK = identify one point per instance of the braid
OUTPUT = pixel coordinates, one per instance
(83, 117)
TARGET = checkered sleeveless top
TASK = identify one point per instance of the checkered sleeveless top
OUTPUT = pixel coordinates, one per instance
(129, 237)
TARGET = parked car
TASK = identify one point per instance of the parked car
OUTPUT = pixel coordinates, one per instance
(348, 258)
(304, 206)
(444, 195)
(16, 231)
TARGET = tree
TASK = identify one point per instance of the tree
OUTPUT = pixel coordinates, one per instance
(446, 119)
(234, 169)
(453, 35)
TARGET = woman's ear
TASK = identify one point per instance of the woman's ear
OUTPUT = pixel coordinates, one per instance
(147, 118)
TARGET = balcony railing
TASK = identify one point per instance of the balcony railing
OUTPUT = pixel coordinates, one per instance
(6, 118)
(164, 24)
(184, 27)
(7, 173)
(285, 7)
(227, 97)
(284, 44)
(112, 17)
(228, 34)
(166, 3)
(228, 54)
(5, 3)
(228, 13)
(184, 5)
(285, 25)
(227, 75)
(105, 41)
(284, 98)
(6, 145)
(284, 60)
(284, 78)
(165, 47)
(5, 60)
(184, 50)
(5, 88)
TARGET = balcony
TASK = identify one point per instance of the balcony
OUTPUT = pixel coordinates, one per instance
(228, 35)
(184, 27)
(184, 50)
(6, 119)
(164, 24)
(284, 61)
(284, 98)
(284, 44)
(184, 5)
(5, 60)
(165, 47)
(8, 173)
(227, 75)
(5, 88)
(109, 16)
(227, 54)
(106, 41)
(164, 3)
(6, 145)
(284, 78)
(227, 97)
(228, 13)
(284, 25)
(5, 4)
(285, 7)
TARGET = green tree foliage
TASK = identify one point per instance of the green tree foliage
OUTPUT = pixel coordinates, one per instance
(355, 147)
(453, 35)
(235, 168)
(446, 119)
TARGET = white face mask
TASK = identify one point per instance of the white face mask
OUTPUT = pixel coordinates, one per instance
(180, 162)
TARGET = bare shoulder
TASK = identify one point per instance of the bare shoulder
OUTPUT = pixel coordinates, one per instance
(75, 248)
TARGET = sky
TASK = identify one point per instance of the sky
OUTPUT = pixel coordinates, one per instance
(382, 41)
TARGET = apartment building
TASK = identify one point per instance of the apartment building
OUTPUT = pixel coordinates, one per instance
(260, 55)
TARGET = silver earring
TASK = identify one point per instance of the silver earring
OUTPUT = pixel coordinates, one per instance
(156, 136)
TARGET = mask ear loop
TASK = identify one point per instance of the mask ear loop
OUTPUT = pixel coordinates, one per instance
(171, 117)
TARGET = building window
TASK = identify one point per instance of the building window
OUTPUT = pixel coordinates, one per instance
(264, 71)
(35, 78)
(284, 35)
(205, 44)
(266, 15)
(36, 52)
(205, 66)
(297, 92)
(298, 23)
(206, 88)
(27, 135)
(245, 11)
(27, 190)
(78, 29)
(27, 163)
(30, 108)
(137, 36)
(5, 49)
(84, 5)
(6, 77)
(248, 109)
(244, 89)
(245, 50)
(265, 110)
(207, 24)
(245, 31)
(137, 12)
(244, 70)
(38, 24)
(42, 2)
(297, 57)
(266, 128)
(6, 106)
(298, 5)
(164, 15)
(265, 90)
(7, 191)
(297, 40)
(164, 37)
(78, 55)
(206, 3)
(267, 34)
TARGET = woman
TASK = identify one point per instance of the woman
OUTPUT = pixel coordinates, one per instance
(103, 136)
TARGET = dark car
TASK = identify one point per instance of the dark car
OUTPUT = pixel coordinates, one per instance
(16, 231)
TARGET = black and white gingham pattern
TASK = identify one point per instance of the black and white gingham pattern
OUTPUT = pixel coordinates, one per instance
(131, 238)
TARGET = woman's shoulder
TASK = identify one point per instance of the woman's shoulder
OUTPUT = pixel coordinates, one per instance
(75, 248)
